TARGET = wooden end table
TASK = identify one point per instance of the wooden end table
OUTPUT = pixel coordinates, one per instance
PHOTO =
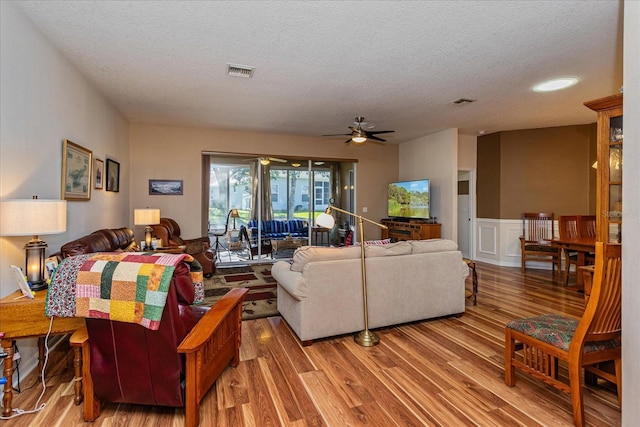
(279, 244)
(474, 281)
(22, 317)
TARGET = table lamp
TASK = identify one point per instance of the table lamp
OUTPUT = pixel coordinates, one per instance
(24, 217)
(365, 338)
(146, 217)
(234, 215)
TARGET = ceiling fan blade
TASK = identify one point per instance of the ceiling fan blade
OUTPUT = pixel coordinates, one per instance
(348, 141)
(357, 129)
(375, 138)
(374, 132)
(339, 134)
(275, 159)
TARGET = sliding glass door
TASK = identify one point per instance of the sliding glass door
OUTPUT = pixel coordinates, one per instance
(281, 189)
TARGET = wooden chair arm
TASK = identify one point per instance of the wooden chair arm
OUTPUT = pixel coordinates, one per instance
(211, 321)
(212, 345)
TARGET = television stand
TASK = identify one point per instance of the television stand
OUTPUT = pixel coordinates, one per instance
(411, 230)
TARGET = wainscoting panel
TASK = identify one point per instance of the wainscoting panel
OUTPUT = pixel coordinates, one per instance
(499, 243)
(488, 239)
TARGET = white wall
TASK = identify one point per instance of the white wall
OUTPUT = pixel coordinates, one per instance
(631, 229)
(435, 157)
(44, 100)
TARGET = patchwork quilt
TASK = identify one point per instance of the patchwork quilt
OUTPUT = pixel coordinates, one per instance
(122, 286)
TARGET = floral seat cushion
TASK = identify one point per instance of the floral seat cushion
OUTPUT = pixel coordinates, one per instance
(556, 330)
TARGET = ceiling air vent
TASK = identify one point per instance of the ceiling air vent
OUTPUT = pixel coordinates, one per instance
(243, 71)
(462, 101)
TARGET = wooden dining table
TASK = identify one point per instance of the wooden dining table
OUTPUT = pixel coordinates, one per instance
(582, 246)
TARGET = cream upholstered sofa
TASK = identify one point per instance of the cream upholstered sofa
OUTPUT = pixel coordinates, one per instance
(320, 290)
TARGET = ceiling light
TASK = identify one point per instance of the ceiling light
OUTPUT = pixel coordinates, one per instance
(264, 162)
(555, 84)
(296, 164)
(359, 139)
(358, 136)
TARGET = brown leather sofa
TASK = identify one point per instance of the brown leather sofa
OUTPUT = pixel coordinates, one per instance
(175, 365)
(105, 240)
(200, 248)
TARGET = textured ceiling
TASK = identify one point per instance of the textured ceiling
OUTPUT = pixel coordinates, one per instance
(319, 64)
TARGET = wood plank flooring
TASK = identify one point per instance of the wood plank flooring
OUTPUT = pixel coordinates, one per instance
(444, 372)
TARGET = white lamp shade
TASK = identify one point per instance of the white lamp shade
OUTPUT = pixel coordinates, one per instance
(146, 216)
(32, 217)
(325, 220)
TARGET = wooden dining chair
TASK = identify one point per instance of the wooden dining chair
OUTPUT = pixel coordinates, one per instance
(537, 230)
(536, 344)
(587, 226)
(568, 229)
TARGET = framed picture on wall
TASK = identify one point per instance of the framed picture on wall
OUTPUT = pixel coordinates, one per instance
(113, 175)
(76, 171)
(98, 174)
(167, 187)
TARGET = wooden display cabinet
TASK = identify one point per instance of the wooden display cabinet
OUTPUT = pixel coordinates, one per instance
(609, 178)
(412, 230)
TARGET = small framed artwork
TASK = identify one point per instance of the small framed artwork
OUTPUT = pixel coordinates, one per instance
(167, 187)
(98, 174)
(50, 265)
(113, 175)
(76, 171)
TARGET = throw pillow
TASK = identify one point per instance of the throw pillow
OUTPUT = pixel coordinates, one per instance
(374, 242)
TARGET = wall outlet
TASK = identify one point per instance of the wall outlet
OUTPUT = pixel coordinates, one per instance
(365, 209)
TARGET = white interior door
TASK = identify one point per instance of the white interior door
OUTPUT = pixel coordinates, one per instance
(464, 214)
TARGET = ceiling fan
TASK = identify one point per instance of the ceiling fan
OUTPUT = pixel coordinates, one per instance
(360, 136)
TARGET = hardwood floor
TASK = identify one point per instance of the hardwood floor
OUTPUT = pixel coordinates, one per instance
(444, 372)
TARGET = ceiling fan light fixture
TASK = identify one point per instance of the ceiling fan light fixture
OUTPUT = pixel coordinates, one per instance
(264, 162)
(555, 84)
(359, 139)
(296, 164)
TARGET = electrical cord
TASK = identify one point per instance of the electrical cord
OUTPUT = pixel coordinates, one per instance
(36, 408)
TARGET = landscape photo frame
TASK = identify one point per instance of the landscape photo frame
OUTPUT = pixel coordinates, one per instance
(113, 175)
(166, 187)
(77, 163)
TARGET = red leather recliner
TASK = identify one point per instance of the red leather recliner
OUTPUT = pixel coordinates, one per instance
(200, 248)
(173, 366)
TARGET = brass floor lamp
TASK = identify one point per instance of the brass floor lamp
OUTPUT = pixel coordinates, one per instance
(365, 338)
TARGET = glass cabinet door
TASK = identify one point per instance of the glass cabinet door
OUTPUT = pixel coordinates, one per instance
(609, 185)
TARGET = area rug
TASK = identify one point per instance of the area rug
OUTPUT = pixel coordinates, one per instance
(261, 299)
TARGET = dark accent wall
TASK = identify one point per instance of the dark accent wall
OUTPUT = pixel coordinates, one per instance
(488, 176)
(537, 170)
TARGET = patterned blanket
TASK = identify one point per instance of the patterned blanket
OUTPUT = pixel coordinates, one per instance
(123, 286)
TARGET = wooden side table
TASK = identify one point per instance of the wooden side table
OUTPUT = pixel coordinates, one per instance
(318, 234)
(474, 281)
(22, 317)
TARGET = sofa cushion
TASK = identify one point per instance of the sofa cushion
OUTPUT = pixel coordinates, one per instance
(306, 254)
(432, 245)
(391, 249)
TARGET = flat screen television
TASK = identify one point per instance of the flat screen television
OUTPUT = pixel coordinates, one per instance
(409, 200)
